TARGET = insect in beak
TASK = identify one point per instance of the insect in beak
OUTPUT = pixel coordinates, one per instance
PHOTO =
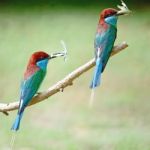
(124, 10)
(59, 54)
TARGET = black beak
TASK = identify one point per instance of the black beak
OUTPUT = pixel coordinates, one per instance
(55, 55)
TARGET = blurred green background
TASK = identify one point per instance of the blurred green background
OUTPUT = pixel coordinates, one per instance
(120, 117)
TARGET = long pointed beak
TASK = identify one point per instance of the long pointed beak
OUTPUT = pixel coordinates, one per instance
(124, 10)
(55, 55)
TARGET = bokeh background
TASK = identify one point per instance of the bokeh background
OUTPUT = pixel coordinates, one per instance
(120, 117)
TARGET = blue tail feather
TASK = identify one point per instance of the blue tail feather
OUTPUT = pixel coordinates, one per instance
(16, 124)
(97, 74)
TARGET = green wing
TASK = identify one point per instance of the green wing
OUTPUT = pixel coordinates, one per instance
(29, 88)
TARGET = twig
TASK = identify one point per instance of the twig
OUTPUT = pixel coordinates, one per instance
(59, 86)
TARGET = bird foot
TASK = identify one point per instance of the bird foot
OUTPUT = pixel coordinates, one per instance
(6, 113)
(38, 93)
(61, 89)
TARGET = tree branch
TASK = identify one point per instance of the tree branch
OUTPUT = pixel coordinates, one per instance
(59, 86)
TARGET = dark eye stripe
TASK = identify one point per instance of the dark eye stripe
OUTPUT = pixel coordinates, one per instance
(40, 59)
(108, 15)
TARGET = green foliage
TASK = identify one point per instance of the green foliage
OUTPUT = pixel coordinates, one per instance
(120, 116)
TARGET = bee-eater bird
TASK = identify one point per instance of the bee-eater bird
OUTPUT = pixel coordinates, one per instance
(105, 38)
(33, 77)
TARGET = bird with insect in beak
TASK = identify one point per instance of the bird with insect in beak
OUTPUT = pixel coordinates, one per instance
(33, 77)
(104, 40)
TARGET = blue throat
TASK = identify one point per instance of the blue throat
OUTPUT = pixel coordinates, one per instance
(42, 64)
(112, 20)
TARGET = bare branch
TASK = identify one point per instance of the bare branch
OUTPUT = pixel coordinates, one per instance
(59, 86)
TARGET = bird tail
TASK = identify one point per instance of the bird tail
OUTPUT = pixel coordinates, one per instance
(97, 74)
(16, 123)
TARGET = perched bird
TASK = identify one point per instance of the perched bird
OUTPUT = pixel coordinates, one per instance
(105, 38)
(33, 77)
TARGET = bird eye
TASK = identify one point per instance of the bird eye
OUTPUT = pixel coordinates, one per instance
(40, 58)
(108, 15)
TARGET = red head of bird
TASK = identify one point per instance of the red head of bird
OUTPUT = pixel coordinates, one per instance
(38, 56)
(39, 60)
(107, 14)
(42, 56)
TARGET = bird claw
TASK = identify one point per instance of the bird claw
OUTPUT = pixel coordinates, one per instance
(5, 113)
(38, 93)
(61, 89)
